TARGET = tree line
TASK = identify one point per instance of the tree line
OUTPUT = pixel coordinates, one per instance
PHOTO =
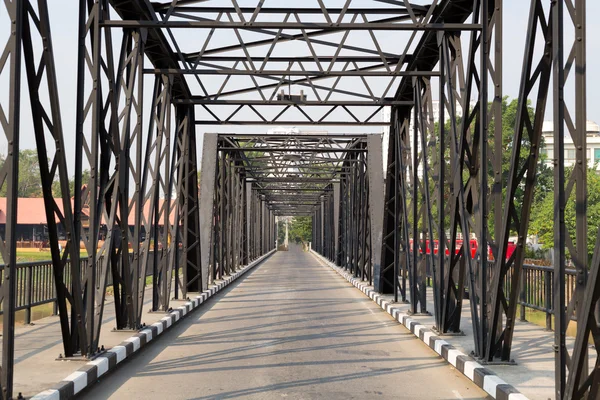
(30, 180)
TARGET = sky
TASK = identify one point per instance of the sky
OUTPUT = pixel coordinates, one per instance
(64, 14)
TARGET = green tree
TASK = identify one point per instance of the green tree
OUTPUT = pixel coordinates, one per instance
(30, 182)
(542, 214)
(300, 230)
(56, 192)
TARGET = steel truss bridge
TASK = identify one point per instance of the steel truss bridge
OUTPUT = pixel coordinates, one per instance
(442, 182)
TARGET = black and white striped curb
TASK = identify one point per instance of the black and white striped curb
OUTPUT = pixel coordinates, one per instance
(481, 376)
(91, 371)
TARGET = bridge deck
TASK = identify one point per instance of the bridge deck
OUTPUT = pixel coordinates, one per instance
(290, 329)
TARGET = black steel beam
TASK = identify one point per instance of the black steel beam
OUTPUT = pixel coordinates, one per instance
(417, 10)
(310, 137)
(295, 150)
(292, 123)
(375, 26)
(282, 72)
(311, 103)
(209, 59)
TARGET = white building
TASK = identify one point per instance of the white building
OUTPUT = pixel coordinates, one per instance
(593, 145)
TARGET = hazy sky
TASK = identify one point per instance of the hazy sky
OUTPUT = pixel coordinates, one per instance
(63, 15)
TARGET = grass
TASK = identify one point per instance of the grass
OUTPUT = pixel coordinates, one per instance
(539, 318)
(34, 255)
(535, 317)
(38, 312)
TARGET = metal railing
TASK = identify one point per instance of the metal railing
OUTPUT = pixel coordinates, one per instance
(35, 287)
(537, 289)
(35, 283)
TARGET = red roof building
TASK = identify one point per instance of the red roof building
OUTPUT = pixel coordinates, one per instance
(32, 222)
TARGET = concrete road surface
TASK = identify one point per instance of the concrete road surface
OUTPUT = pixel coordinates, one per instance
(290, 329)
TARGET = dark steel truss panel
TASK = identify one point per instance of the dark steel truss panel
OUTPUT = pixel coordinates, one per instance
(53, 168)
(92, 149)
(523, 169)
(412, 191)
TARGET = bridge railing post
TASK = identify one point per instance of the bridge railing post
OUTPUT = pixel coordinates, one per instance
(28, 293)
(548, 298)
(523, 296)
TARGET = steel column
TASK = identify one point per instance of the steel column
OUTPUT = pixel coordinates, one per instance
(207, 206)
(336, 222)
(374, 202)
(10, 64)
(572, 377)
(452, 280)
